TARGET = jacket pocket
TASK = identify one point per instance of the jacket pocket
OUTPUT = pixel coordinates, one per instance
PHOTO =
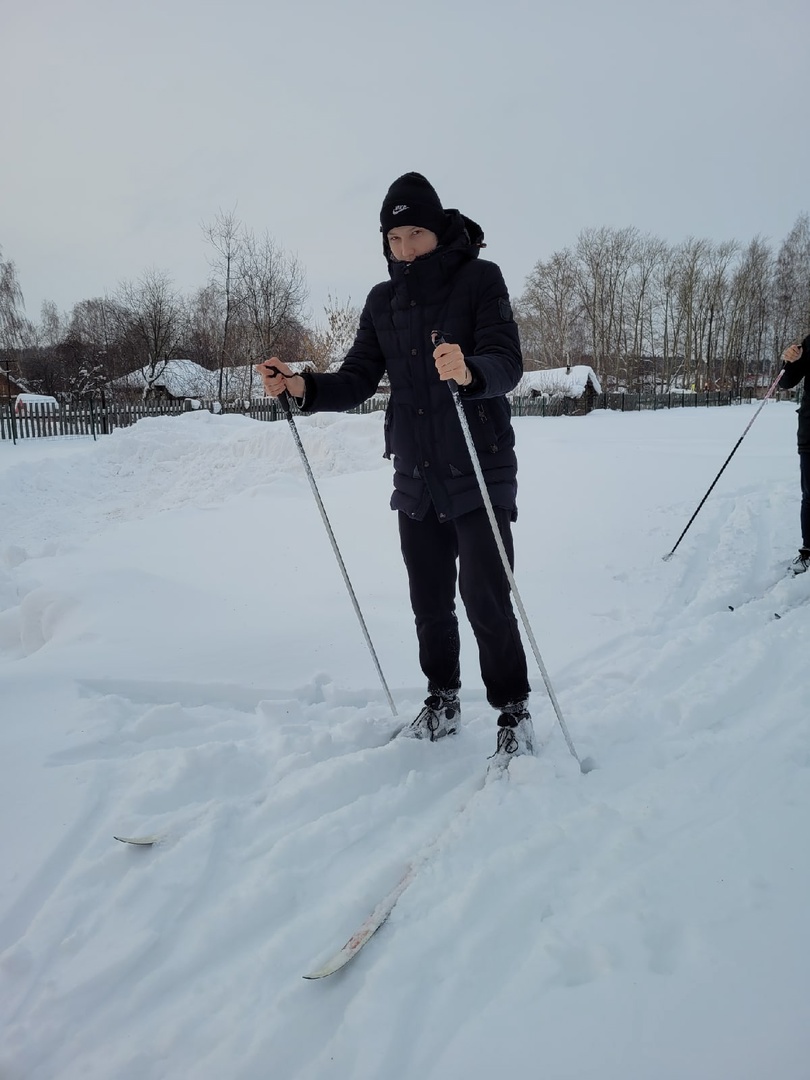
(485, 436)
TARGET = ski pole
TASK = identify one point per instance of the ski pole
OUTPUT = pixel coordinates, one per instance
(287, 408)
(586, 764)
(728, 459)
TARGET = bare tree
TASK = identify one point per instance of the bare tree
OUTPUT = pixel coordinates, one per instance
(153, 320)
(52, 325)
(549, 313)
(94, 325)
(749, 322)
(13, 323)
(326, 346)
(718, 272)
(271, 291)
(643, 300)
(205, 321)
(690, 268)
(605, 258)
(791, 286)
(92, 345)
(224, 235)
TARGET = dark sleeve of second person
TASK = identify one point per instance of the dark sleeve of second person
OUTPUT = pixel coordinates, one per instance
(795, 372)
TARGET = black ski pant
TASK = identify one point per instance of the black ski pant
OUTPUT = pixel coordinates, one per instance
(804, 465)
(431, 550)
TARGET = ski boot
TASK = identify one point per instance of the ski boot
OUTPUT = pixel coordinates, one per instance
(801, 564)
(515, 734)
(440, 716)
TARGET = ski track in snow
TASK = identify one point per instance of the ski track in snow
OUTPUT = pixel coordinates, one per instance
(562, 925)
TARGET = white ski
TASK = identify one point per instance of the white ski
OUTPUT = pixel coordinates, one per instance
(381, 912)
(141, 841)
(371, 925)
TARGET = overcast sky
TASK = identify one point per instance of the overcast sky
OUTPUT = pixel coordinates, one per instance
(125, 126)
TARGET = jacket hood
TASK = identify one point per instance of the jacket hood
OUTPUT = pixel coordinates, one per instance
(459, 232)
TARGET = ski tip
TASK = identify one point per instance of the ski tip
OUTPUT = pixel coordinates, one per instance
(335, 964)
(138, 841)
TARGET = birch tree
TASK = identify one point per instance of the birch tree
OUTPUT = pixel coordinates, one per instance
(13, 323)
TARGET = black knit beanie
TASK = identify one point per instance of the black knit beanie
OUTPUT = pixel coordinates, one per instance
(411, 200)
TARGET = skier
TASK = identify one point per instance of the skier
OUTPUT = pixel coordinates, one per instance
(437, 282)
(797, 361)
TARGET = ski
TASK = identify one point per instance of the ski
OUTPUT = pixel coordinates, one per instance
(369, 927)
(767, 591)
(139, 841)
(151, 840)
(791, 607)
(786, 609)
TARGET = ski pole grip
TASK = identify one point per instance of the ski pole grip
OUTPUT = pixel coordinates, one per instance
(285, 397)
(438, 338)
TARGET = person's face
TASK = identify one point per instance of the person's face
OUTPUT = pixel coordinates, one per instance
(408, 242)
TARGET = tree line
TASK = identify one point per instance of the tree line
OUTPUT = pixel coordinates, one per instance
(254, 304)
(643, 313)
(650, 315)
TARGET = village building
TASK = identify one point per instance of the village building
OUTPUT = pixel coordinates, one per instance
(567, 389)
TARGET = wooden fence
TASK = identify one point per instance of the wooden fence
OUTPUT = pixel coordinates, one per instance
(99, 417)
(626, 402)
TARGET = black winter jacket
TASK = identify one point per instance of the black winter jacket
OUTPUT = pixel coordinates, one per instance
(465, 297)
(794, 373)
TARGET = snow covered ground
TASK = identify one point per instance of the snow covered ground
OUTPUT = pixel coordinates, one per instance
(179, 656)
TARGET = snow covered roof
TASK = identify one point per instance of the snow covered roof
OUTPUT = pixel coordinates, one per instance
(559, 382)
(187, 379)
(36, 399)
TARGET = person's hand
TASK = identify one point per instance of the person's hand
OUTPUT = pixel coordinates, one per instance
(450, 364)
(275, 384)
(792, 353)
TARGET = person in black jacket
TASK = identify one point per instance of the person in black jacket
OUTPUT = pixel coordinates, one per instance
(437, 282)
(797, 366)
